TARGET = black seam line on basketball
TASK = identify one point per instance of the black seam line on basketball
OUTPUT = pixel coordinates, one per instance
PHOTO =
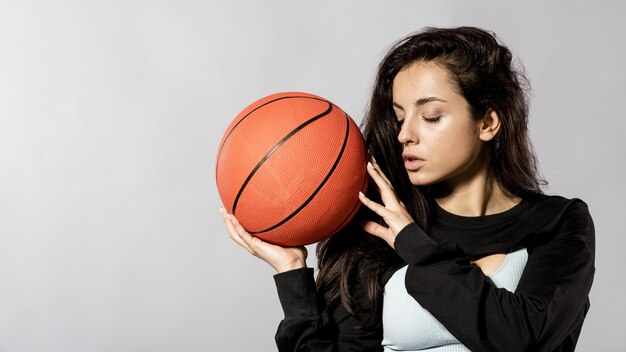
(342, 223)
(356, 205)
(332, 169)
(255, 109)
(275, 147)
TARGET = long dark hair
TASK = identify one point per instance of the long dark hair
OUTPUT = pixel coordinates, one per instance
(483, 71)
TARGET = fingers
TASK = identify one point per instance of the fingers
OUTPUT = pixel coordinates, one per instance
(380, 172)
(382, 182)
(375, 175)
(375, 229)
(280, 258)
(235, 231)
(387, 193)
(380, 231)
(247, 238)
(392, 210)
(375, 207)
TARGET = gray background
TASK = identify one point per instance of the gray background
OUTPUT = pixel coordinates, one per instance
(111, 112)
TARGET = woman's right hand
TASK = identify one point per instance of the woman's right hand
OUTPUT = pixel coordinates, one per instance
(280, 258)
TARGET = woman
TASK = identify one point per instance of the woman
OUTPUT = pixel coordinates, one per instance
(467, 252)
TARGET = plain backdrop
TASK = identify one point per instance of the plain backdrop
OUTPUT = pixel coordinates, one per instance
(110, 117)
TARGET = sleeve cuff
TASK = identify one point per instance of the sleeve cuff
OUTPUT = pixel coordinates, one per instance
(417, 248)
(297, 292)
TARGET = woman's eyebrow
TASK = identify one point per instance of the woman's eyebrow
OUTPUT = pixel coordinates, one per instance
(427, 100)
(421, 101)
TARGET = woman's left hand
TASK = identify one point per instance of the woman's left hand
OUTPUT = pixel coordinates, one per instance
(393, 211)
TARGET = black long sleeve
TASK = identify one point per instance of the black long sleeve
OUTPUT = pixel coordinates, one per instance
(310, 327)
(546, 311)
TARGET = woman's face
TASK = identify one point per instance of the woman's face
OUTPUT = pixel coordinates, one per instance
(440, 140)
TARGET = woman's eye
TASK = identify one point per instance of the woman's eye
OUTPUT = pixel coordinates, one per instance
(400, 122)
(431, 119)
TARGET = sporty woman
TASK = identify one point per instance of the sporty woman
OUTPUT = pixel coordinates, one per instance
(456, 247)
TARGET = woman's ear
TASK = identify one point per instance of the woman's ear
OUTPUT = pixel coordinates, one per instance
(489, 125)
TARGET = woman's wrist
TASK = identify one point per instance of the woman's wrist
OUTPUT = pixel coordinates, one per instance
(299, 264)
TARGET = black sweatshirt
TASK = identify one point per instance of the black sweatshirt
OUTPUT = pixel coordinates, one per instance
(545, 313)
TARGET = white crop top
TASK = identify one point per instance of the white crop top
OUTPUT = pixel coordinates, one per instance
(409, 327)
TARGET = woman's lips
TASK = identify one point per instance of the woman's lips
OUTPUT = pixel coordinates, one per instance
(413, 164)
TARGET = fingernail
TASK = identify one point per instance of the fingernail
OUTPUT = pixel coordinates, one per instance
(223, 212)
(361, 194)
(369, 164)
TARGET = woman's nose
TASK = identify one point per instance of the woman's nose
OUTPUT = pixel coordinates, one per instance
(407, 135)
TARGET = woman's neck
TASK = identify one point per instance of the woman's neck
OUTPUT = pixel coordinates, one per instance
(478, 196)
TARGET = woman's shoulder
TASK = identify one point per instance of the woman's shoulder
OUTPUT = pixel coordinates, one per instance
(555, 206)
(549, 214)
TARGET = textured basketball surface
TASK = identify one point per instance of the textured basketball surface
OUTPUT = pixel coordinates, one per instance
(290, 167)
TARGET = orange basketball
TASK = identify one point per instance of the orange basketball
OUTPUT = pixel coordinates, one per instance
(290, 167)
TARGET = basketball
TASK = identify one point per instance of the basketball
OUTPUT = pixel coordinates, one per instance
(290, 167)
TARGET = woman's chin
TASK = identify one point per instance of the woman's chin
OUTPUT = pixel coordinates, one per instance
(421, 179)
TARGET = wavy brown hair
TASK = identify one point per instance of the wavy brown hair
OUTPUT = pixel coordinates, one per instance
(483, 71)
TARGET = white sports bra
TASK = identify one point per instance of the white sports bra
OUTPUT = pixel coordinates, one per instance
(409, 327)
